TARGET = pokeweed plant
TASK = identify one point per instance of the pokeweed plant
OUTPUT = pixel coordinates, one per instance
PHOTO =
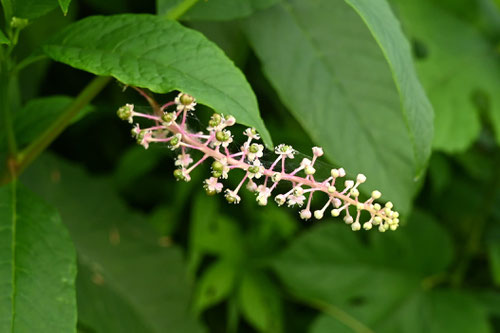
(170, 127)
(341, 73)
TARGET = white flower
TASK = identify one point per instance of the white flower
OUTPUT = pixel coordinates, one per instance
(232, 197)
(264, 194)
(305, 162)
(255, 151)
(145, 139)
(183, 160)
(252, 133)
(126, 112)
(296, 200)
(255, 170)
(225, 167)
(286, 150)
(280, 199)
(212, 185)
(251, 186)
(223, 138)
(318, 214)
(175, 142)
(185, 102)
(135, 131)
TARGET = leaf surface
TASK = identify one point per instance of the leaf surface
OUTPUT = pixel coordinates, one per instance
(150, 52)
(37, 265)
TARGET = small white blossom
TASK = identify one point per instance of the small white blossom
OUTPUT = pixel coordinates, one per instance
(280, 199)
(185, 102)
(183, 160)
(255, 170)
(251, 186)
(252, 133)
(263, 195)
(212, 185)
(285, 150)
(296, 200)
(232, 197)
(255, 151)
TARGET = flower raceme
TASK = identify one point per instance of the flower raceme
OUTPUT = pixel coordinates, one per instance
(170, 127)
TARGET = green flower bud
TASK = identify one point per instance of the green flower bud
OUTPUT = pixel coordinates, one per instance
(168, 117)
(220, 136)
(178, 174)
(217, 166)
(186, 99)
(254, 148)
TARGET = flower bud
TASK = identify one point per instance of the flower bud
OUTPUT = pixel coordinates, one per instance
(309, 170)
(305, 214)
(230, 121)
(376, 194)
(348, 219)
(361, 178)
(334, 173)
(331, 189)
(367, 225)
(317, 151)
(335, 212)
(276, 177)
(355, 192)
(356, 226)
(318, 214)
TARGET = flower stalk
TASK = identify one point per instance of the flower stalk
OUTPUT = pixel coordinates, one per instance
(170, 127)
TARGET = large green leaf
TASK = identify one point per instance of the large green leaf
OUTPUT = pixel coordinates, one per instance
(128, 267)
(214, 10)
(458, 67)
(37, 266)
(32, 9)
(161, 55)
(386, 285)
(357, 98)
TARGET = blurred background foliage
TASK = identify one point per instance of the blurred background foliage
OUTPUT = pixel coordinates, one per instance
(155, 255)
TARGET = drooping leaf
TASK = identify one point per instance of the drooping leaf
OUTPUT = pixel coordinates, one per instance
(126, 262)
(387, 285)
(37, 265)
(357, 98)
(64, 4)
(459, 69)
(161, 55)
(215, 10)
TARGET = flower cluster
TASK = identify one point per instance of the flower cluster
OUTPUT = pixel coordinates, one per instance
(341, 197)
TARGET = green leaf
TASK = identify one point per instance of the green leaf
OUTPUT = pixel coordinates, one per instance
(434, 312)
(31, 9)
(212, 234)
(37, 266)
(3, 38)
(347, 90)
(161, 55)
(215, 10)
(126, 261)
(459, 69)
(64, 4)
(38, 114)
(387, 285)
(260, 303)
(215, 285)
